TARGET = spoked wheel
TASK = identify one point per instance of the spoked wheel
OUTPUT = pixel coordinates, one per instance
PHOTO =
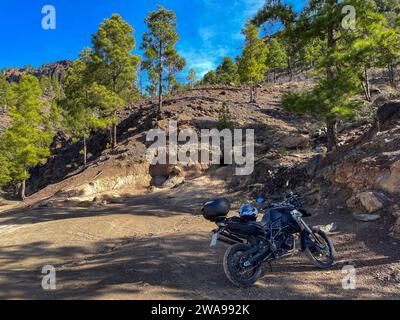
(318, 248)
(237, 267)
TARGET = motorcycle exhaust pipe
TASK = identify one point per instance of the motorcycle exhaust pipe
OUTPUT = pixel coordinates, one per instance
(228, 238)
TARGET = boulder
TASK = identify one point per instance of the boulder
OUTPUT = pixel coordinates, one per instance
(370, 201)
(388, 111)
(173, 182)
(390, 180)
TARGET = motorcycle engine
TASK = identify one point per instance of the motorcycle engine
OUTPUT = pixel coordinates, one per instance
(283, 243)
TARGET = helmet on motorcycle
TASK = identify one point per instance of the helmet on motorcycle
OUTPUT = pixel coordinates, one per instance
(249, 212)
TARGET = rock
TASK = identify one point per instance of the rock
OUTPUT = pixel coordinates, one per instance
(45, 204)
(367, 217)
(370, 201)
(294, 141)
(176, 170)
(390, 180)
(328, 228)
(395, 230)
(388, 111)
(173, 182)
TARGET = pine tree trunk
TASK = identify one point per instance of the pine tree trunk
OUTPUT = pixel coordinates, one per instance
(290, 69)
(84, 152)
(160, 86)
(330, 74)
(114, 135)
(391, 73)
(23, 190)
(252, 99)
(331, 133)
(366, 86)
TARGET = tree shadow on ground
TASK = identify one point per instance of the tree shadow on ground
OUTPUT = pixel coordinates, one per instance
(172, 266)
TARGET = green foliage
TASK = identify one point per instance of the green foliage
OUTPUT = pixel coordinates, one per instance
(162, 61)
(111, 61)
(227, 72)
(191, 78)
(225, 118)
(26, 142)
(87, 106)
(341, 56)
(328, 100)
(210, 78)
(5, 171)
(5, 93)
(391, 10)
(277, 57)
(252, 64)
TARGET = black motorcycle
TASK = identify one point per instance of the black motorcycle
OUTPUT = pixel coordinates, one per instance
(272, 238)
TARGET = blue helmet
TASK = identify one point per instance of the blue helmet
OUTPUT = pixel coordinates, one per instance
(248, 211)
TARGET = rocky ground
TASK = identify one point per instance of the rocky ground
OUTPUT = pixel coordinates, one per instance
(124, 229)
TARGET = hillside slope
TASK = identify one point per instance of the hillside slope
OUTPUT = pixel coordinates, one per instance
(124, 229)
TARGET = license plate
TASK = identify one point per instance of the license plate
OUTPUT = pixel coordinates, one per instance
(214, 239)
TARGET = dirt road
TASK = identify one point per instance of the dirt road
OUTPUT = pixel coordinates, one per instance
(156, 247)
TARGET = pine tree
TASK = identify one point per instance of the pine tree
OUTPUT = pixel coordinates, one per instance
(191, 78)
(252, 65)
(4, 165)
(277, 58)
(227, 72)
(26, 142)
(337, 81)
(162, 61)
(83, 104)
(113, 64)
(210, 78)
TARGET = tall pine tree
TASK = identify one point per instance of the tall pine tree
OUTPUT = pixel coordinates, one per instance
(114, 63)
(252, 64)
(162, 61)
(26, 142)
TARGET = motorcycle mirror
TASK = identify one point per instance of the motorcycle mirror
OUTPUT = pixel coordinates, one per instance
(260, 200)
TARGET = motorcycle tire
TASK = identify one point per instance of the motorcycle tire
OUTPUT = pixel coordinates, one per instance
(310, 252)
(232, 268)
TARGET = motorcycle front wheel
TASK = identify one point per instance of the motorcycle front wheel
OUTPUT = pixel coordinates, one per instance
(236, 269)
(318, 248)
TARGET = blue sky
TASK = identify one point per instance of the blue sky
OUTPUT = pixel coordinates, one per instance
(209, 29)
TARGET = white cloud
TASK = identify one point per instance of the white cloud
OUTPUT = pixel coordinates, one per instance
(206, 33)
(219, 33)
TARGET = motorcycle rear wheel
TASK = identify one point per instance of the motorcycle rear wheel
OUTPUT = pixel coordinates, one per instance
(237, 274)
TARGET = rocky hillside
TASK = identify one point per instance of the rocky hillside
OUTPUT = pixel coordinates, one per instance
(362, 178)
(56, 69)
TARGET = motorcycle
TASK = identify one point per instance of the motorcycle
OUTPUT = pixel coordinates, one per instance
(274, 237)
